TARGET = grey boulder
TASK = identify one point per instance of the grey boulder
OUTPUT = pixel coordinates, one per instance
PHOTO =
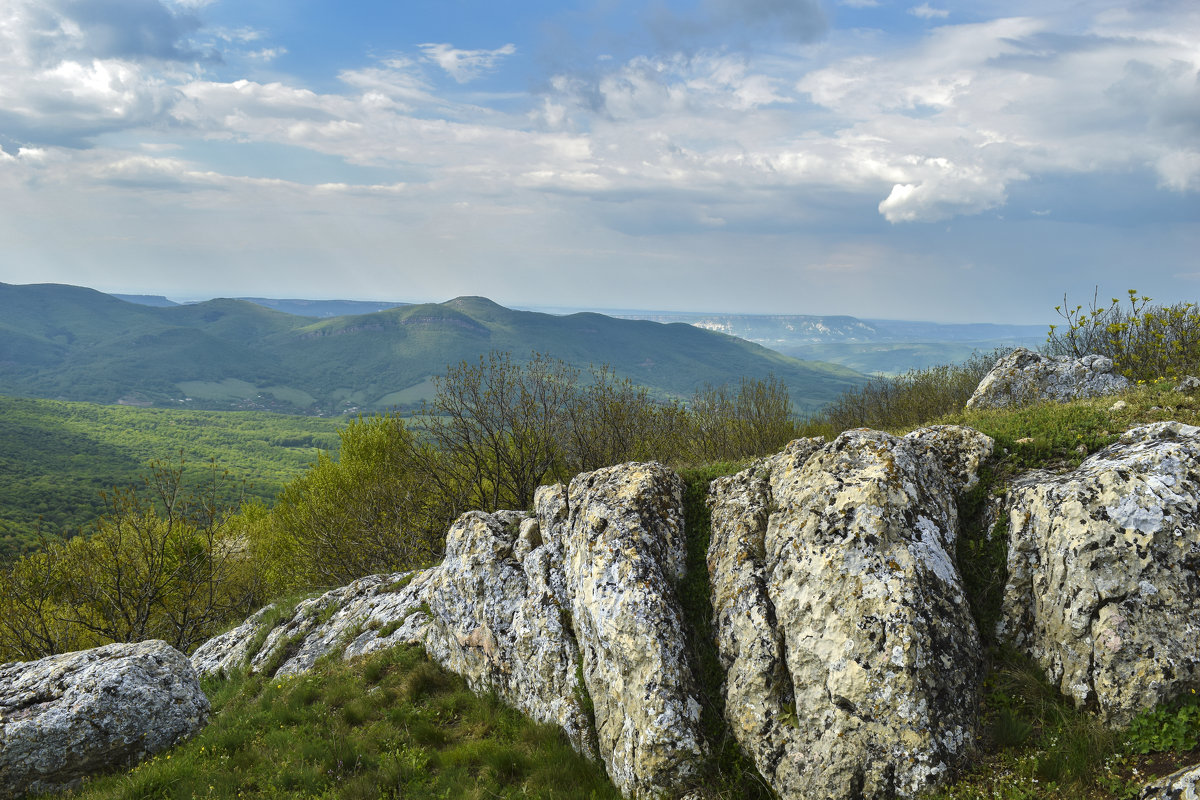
(68, 716)
(1104, 571)
(1024, 376)
(852, 658)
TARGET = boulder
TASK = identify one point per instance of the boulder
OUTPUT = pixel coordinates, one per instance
(1024, 376)
(623, 547)
(1103, 584)
(560, 612)
(1179, 785)
(841, 620)
(68, 716)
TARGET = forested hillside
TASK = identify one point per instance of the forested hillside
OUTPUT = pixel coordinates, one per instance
(56, 457)
(70, 343)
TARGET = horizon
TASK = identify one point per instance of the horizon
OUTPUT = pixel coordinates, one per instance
(555, 310)
(942, 161)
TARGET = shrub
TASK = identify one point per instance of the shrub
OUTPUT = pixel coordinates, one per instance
(911, 399)
(1144, 341)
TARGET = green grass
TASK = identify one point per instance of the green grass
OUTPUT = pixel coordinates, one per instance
(391, 725)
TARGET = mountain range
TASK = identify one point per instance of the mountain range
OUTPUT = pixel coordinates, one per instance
(73, 343)
(867, 345)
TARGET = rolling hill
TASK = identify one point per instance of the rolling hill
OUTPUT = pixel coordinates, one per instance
(72, 343)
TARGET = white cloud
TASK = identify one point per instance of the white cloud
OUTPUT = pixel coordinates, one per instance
(926, 11)
(466, 65)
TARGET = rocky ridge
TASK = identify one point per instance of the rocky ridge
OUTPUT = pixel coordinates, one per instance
(568, 607)
(852, 663)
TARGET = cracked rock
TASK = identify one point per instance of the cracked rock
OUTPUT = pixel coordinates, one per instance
(68, 716)
(852, 658)
(1104, 571)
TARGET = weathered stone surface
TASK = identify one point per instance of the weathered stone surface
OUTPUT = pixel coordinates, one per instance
(850, 651)
(1104, 571)
(523, 605)
(72, 715)
(623, 548)
(1024, 376)
(1179, 785)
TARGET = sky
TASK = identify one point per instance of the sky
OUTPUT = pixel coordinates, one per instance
(948, 161)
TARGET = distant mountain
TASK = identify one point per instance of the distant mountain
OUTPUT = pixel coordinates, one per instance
(865, 345)
(323, 308)
(146, 300)
(72, 343)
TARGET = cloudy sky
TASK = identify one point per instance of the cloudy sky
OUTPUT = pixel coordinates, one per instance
(949, 160)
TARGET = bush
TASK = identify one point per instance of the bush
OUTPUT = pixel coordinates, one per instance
(911, 399)
(1144, 341)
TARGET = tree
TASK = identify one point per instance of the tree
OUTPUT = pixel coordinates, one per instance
(379, 507)
(159, 564)
(499, 427)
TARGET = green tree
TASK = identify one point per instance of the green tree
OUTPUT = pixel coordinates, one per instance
(500, 428)
(159, 564)
(380, 506)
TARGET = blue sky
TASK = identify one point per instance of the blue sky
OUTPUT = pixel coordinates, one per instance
(950, 161)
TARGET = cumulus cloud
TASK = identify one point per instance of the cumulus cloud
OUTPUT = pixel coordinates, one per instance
(466, 65)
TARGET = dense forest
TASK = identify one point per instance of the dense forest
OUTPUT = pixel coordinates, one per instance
(57, 457)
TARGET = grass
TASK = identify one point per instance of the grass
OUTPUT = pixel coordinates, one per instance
(390, 725)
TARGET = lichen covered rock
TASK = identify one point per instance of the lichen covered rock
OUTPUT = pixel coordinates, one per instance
(1180, 785)
(1024, 376)
(68, 716)
(525, 605)
(621, 535)
(851, 654)
(1104, 571)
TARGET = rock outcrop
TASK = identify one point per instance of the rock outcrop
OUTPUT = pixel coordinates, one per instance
(1024, 376)
(1104, 571)
(852, 658)
(547, 609)
(68, 716)
(1179, 785)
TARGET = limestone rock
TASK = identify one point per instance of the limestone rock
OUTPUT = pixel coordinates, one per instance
(851, 654)
(72, 715)
(1104, 571)
(1024, 376)
(623, 549)
(1179, 785)
(523, 605)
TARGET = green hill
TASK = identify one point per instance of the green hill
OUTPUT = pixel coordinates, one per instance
(78, 344)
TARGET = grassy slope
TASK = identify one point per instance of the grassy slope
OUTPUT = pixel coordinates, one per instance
(56, 457)
(72, 343)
